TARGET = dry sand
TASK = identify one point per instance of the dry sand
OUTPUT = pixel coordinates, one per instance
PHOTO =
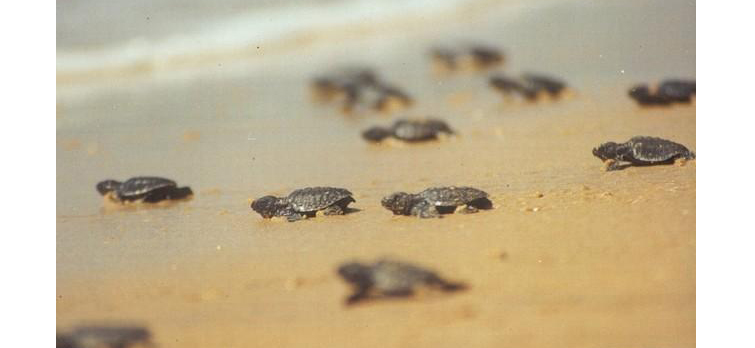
(570, 256)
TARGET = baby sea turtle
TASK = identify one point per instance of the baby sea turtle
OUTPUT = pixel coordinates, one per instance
(409, 130)
(468, 57)
(530, 86)
(149, 189)
(643, 96)
(109, 337)
(642, 151)
(359, 88)
(435, 201)
(389, 278)
(667, 92)
(304, 203)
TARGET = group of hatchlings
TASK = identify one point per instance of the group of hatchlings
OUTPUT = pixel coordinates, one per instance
(391, 278)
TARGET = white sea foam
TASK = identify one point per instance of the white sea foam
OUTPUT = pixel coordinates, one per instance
(252, 27)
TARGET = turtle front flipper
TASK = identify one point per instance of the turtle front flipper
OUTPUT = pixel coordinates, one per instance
(425, 210)
(437, 282)
(360, 293)
(611, 165)
(294, 216)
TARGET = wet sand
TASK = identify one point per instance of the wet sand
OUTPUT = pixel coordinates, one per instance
(570, 256)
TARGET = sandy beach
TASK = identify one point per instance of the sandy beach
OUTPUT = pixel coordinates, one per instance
(569, 256)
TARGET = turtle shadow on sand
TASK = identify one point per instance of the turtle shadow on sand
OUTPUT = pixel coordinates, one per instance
(110, 205)
(623, 166)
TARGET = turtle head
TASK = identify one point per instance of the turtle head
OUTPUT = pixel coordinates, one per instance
(440, 126)
(268, 206)
(400, 203)
(106, 186)
(355, 273)
(376, 134)
(606, 151)
(639, 92)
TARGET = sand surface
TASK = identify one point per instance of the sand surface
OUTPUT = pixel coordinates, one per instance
(570, 256)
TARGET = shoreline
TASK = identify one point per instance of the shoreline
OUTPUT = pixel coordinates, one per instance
(570, 255)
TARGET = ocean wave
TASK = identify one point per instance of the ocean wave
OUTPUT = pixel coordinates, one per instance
(238, 32)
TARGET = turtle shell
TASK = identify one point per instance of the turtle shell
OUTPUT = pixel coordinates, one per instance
(677, 90)
(552, 86)
(138, 187)
(417, 130)
(651, 149)
(316, 198)
(394, 276)
(452, 196)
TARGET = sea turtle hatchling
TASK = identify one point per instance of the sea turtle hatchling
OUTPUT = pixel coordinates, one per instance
(409, 130)
(390, 278)
(666, 93)
(465, 58)
(148, 189)
(642, 151)
(530, 86)
(359, 89)
(304, 203)
(435, 201)
(109, 337)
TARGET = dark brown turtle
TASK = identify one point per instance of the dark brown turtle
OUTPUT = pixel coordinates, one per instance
(109, 337)
(466, 57)
(148, 189)
(359, 89)
(641, 151)
(644, 97)
(667, 92)
(391, 279)
(530, 86)
(304, 203)
(409, 130)
(435, 201)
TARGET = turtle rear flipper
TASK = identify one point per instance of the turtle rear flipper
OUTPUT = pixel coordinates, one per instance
(481, 203)
(339, 208)
(448, 286)
(293, 216)
(360, 294)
